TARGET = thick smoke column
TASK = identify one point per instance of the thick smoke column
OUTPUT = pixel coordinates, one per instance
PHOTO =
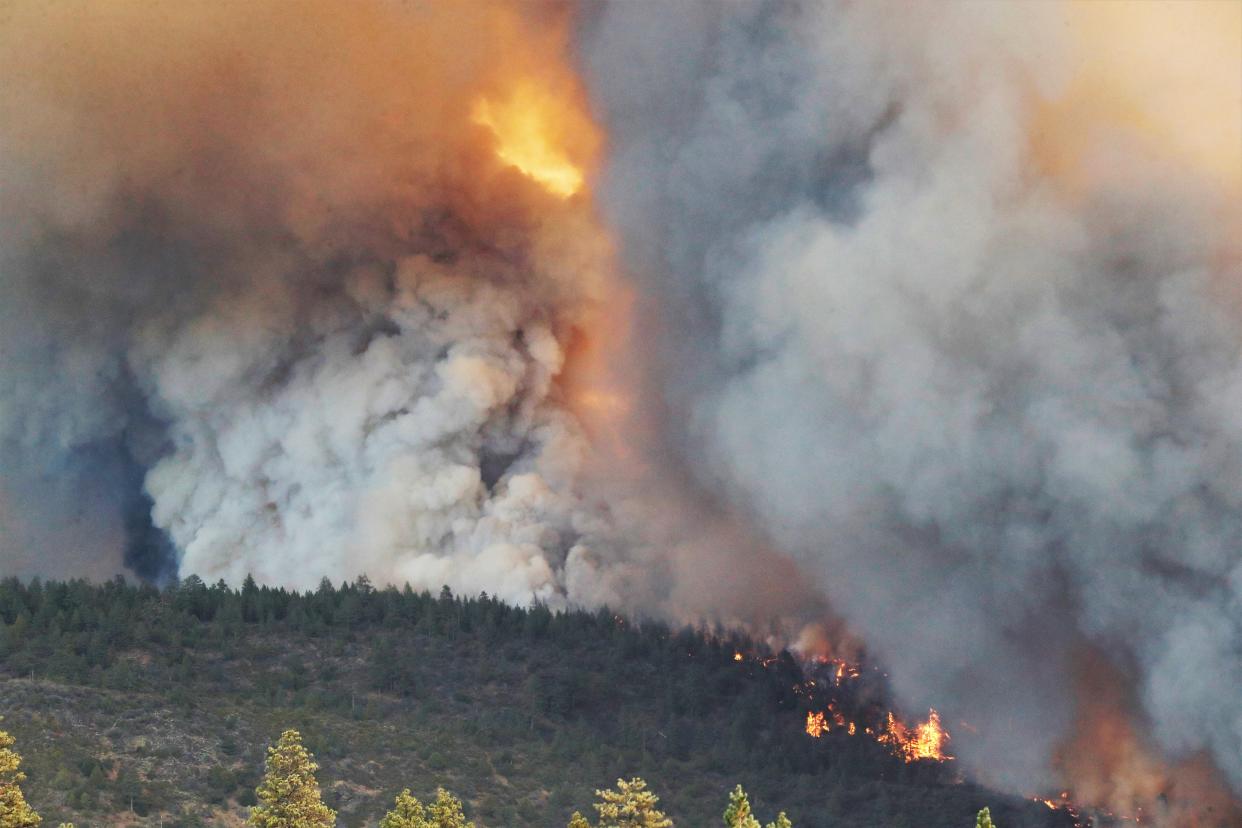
(947, 305)
(270, 260)
(940, 299)
(319, 294)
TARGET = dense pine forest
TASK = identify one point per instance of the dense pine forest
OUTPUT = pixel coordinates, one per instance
(142, 706)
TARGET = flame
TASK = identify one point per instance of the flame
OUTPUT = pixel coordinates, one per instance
(533, 127)
(926, 740)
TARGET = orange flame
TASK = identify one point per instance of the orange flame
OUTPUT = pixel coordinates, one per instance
(926, 740)
(534, 130)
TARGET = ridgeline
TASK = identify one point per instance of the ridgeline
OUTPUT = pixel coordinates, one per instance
(139, 706)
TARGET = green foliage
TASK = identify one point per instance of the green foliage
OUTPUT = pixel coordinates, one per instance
(445, 812)
(984, 819)
(578, 821)
(394, 685)
(289, 795)
(14, 811)
(407, 812)
(740, 815)
(630, 805)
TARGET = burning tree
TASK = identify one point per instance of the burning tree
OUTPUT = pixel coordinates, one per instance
(926, 740)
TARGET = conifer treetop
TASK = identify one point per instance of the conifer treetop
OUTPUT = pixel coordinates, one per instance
(740, 815)
(15, 812)
(408, 812)
(289, 795)
(630, 805)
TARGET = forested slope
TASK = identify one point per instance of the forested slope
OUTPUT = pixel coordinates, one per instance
(134, 705)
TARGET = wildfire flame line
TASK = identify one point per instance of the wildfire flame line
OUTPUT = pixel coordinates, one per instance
(923, 741)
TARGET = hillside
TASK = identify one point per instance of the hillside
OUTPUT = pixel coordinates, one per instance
(135, 706)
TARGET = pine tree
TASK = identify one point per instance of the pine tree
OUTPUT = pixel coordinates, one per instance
(578, 821)
(289, 795)
(984, 820)
(14, 811)
(445, 812)
(740, 815)
(630, 805)
(407, 812)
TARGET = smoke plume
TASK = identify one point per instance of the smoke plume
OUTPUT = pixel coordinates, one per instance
(698, 309)
(270, 260)
(945, 303)
(320, 295)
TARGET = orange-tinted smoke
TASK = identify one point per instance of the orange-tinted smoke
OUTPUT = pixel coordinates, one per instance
(1106, 763)
(1160, 79)
(248, 116)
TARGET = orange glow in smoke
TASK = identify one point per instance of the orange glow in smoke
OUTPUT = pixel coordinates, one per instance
(536, 131)
(1164, 76)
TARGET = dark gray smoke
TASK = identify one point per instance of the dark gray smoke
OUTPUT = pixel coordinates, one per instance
(993, 409)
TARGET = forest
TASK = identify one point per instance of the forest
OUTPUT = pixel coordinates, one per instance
(156, 706)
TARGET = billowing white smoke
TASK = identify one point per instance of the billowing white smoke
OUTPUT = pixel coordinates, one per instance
(272, 263)
(262, 274)
(994, 410)
(370, 451)
(269, 293)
